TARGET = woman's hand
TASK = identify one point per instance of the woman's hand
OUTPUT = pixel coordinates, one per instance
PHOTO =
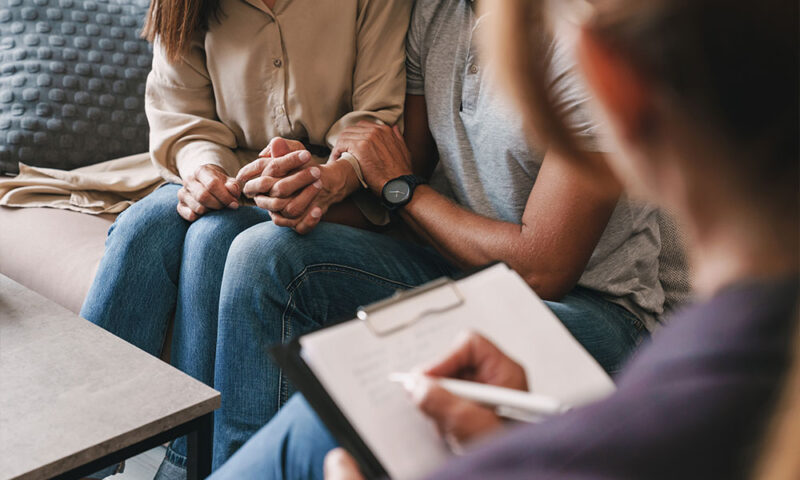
(296, 193)
(208, 188)
(302, 212)
(339, 465)
(476, 359)
(281, 179)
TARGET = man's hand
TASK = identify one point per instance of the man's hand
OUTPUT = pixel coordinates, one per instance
(302, 212)
(339, 465)
(208, 188)
(476, 359)
(380, 150)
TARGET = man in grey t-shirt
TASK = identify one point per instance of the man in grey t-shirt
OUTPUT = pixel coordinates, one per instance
(592, 256)
(487, 166)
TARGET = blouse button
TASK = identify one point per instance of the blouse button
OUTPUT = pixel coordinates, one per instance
(278, 63)
(473, 69)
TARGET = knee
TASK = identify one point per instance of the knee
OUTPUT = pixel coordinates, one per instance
(150, 225)
(264, 250)
(213, 232)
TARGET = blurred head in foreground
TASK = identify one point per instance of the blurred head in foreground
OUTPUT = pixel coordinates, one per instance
(700, 99)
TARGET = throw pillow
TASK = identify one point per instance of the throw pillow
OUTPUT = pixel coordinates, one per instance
(72, 79)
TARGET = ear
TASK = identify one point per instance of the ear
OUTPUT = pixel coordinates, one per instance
(623, 93)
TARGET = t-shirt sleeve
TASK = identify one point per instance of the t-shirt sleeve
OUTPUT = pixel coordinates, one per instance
(572, 100)
(415, 79)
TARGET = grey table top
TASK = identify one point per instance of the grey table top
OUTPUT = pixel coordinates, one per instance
(70, 392)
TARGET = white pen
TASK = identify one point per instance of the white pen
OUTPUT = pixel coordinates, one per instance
(507, 402)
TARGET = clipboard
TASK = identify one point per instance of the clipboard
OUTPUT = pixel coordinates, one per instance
(289, 359)
(406, 314)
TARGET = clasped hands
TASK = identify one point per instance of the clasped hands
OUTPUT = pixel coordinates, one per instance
(298, 193)
(459, 421)
(294, 190)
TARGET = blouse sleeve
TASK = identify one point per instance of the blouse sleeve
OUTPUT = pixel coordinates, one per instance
(185, 132)
(379, 78)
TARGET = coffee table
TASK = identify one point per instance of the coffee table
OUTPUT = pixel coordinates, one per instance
(75, 399)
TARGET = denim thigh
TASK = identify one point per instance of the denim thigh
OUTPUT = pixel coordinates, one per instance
(292, 445)
(609, 332)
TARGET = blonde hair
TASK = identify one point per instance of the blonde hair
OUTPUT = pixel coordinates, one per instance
(732, 67)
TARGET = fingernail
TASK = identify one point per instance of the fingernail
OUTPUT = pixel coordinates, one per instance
(305, 156)
(316, 212)
(234, 205)
(318, 184)
(315, 172)
(264, 153)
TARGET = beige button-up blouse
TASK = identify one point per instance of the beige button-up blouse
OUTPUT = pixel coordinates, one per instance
(304, 70)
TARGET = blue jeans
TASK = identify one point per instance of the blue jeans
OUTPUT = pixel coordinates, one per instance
(294, 443)
(159, 268)
(278, 285)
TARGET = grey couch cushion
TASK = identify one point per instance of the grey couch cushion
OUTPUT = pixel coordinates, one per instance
(72, 76)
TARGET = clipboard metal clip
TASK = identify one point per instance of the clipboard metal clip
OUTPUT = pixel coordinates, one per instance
(454, 299)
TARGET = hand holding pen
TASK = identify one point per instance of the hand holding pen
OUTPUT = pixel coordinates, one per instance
(474, 359)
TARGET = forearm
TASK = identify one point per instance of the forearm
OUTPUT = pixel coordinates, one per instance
(346, 209)
(470, 240)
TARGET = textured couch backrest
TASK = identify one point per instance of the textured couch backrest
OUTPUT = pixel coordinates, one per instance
(72, 79)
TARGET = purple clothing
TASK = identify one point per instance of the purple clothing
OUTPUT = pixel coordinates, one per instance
(692, 404)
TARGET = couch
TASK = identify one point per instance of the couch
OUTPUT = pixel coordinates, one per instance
(72, 75)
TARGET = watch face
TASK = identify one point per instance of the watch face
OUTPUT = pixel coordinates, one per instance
(397, 191)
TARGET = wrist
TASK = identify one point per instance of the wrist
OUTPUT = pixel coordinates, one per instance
(419, 197)
(346, 179)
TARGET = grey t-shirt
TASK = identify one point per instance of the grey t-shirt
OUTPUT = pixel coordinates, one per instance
(486, 165)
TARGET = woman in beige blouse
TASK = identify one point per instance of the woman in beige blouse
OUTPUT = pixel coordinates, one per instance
(228, 77)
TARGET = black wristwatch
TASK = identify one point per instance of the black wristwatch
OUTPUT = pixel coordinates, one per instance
(399, 191)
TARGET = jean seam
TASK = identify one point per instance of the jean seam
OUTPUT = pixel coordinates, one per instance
(609, 305)
(637, 324)
(175, 458)
(335, 267)
(286, 332)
